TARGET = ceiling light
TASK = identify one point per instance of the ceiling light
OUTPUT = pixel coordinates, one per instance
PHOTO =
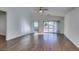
(41, 11)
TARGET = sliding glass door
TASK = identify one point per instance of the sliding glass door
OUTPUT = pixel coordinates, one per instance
(50, 27)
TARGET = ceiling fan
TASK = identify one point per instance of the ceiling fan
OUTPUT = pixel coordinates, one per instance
(42, 9)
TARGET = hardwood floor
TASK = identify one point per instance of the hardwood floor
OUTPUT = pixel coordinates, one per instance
(44, 42)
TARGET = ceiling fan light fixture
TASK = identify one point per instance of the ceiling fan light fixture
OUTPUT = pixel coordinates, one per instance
(41, 11)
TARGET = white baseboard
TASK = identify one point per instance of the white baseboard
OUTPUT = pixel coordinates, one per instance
(72, 41)
(17, 36)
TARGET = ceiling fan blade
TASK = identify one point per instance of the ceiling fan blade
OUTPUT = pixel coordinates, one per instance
(43, 8)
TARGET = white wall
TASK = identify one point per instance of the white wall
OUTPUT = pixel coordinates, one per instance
(61, 26)
(2, 24)
(18, 22)
(72, 26)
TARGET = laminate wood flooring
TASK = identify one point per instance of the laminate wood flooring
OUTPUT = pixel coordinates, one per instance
(42, 42)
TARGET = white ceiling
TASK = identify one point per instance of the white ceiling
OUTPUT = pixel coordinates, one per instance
(54, 11)
(57, 11)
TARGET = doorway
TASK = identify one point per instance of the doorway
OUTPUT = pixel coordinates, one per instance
(3, 23)
(36, 29)
(50, 27)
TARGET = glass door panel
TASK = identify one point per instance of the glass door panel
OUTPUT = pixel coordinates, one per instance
(50, 27)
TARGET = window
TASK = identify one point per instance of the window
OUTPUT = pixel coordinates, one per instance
(50, 27)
